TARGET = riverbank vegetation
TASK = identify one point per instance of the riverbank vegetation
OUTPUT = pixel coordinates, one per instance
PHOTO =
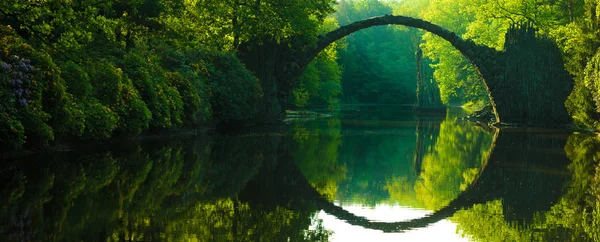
(90, 70)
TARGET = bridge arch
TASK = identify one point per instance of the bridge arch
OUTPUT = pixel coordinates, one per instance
(526, 82)
(473, 52)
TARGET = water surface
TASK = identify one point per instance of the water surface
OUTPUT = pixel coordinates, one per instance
(368, 173)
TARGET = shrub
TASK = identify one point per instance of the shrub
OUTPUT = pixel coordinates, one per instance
(235, 93)
(584, 102)
(192, 88)
(116, 91)
(100, 120)
(12, 132)
(25, 99)
(163, 100)
(134, 115)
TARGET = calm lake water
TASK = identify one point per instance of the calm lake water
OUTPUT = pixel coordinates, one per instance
(377, 173)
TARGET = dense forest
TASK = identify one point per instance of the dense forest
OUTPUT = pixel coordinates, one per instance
(92, 69)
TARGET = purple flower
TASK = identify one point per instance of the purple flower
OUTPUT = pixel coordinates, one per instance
(6, 66)
(23, 101)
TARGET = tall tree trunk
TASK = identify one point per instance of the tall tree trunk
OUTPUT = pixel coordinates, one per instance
(571, 14)
(235, 25)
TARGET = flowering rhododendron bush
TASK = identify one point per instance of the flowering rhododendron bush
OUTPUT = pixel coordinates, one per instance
(22, 85)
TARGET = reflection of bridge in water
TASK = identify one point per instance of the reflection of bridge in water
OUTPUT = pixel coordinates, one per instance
(526, 169)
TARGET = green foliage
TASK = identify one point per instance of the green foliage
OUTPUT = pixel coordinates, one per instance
(23, 92)
(13, 132)
(484, 22)
(123, 67)
(100, 120)
(457, 79)
(378, 63)
(115, 90)
(308, 83)
(179, 190)
(485, 222)
(235, 92)
(320, 83)
(225, 24)
(185, 72)
(579, 41)
(574, 217)
(452, 164)
(194, 95)
(315, 148)
(163, 100)
(582, 108)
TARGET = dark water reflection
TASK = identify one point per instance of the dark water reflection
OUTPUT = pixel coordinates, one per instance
(367, 171)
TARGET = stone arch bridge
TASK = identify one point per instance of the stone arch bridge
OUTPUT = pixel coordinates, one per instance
(526, 82)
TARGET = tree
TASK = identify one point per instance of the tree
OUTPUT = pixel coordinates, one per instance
(320, 83)
(379, 64)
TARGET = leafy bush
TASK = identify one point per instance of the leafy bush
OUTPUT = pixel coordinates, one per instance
(584, 102)
(100, 120)
(186, 79)
(149, 78)
(235, 92)
(12, 130)
(78, 81)
(192, 88)
(22, 89)
(159, 87)
(134, 115)
(115, 90)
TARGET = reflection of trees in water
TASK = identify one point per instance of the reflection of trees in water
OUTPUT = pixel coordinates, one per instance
(371, 167)
(182, 190)
(373, 156)
(452, 163)
(575, 216)
(448, 157)
(515, 197)
(236, 188)
(315, 148)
